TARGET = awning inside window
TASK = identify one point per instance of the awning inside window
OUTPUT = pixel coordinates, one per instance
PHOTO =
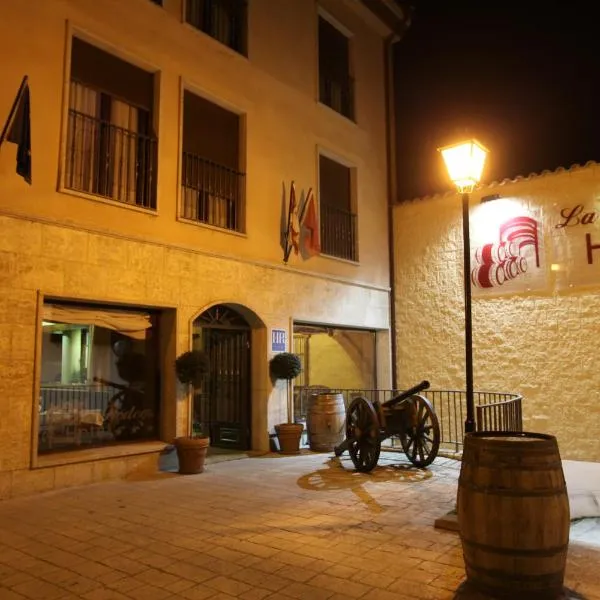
(131, 324)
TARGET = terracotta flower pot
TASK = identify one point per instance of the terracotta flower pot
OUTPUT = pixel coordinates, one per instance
(289, 437)
(191, 453)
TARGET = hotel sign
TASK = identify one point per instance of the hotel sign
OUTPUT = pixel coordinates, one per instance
(278, 340)
(521, 247)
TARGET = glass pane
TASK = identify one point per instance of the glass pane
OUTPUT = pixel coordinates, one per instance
(98, 386)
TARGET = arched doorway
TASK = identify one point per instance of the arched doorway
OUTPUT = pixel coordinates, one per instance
(223, 407)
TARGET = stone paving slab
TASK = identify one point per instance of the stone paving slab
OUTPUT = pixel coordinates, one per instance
(267, 528)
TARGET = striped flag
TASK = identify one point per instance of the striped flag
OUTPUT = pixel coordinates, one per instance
(310, 223)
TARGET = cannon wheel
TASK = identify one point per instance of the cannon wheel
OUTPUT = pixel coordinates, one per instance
(362, 434)
(421, 439)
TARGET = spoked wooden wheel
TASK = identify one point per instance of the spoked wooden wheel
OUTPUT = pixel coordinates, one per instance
(362, 434)
(421, 437)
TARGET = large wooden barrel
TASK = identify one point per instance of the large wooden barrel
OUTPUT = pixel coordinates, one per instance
(513, 514)
(325, 422)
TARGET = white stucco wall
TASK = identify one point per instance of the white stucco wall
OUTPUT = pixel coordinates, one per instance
(535, 335)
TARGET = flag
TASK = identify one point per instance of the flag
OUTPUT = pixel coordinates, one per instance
(311, 224)
(17, 130)
(292, 234)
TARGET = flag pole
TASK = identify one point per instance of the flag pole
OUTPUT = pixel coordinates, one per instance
(13, 110)
(287, 251)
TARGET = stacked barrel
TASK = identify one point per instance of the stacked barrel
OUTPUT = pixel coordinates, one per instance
(497, 264)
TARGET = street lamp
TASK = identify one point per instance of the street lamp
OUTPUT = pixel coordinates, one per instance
(464, 163)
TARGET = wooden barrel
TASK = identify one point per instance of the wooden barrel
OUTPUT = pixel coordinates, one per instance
(513, 514)
(325, 422)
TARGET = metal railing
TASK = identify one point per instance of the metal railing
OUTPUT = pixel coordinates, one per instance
(223, 20)
(211, 193)
(71, 416)
(338, 233)
(337, 93)
(500, 415)
(495, 411)
(107, 160)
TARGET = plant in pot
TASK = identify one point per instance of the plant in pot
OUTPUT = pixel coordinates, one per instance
(191, 368)
(287, 366)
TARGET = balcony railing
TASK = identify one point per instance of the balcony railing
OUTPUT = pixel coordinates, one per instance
(211, 193)
(495, 411)
(337, 93)
(338, 233)
(223, 20)
(110, 161)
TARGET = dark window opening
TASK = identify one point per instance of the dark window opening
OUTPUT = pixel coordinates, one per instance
(212, 184)
(224, 20)
(336, 86)
(338, 220)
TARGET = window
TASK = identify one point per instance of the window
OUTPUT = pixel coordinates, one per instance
(336, 87)
(338, 221)
(111, 147)
(99, 377)
(224, 20)
(212, 185)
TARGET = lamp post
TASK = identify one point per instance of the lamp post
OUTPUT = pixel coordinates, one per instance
(464, 162)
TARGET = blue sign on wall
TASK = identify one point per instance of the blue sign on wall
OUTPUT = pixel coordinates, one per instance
(278, 340)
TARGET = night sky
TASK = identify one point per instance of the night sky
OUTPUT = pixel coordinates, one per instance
(521, 77)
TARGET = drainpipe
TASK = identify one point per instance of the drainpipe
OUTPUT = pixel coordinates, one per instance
(398, 30)
(392, 185)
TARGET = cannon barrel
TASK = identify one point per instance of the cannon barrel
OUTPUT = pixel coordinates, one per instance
(407, 394)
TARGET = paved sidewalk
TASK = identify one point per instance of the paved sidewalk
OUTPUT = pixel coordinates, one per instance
(276, 528)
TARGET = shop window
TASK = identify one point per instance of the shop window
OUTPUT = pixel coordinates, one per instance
(99, 377)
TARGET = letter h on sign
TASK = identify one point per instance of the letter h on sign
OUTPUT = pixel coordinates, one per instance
(278, 340)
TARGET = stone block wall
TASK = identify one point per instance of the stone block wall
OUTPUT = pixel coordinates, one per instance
(536, 334)
(40, 259)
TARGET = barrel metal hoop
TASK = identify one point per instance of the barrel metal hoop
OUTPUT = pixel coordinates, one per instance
(497, 491)
(537, 553)
(548, 579)
(498, 464)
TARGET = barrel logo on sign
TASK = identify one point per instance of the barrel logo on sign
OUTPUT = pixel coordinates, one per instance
(503, 261)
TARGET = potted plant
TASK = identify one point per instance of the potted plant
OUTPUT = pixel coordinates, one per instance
(191, 368)
(287, 366)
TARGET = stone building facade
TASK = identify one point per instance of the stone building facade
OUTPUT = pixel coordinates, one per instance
(165, 137)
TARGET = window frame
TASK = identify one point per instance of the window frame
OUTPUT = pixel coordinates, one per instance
(125, 447)
(190, 87)
(353, 176)
(154, 123)
(347, 33)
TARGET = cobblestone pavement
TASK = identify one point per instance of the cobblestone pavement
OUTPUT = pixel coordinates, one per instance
(272, 527)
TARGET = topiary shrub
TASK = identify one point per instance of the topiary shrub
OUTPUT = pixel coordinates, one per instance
(191, 366)
(285, 366)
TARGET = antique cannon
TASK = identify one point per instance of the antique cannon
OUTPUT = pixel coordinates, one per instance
(407, 416)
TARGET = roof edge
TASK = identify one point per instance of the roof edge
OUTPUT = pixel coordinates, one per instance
(395, 14)
(507, 181)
